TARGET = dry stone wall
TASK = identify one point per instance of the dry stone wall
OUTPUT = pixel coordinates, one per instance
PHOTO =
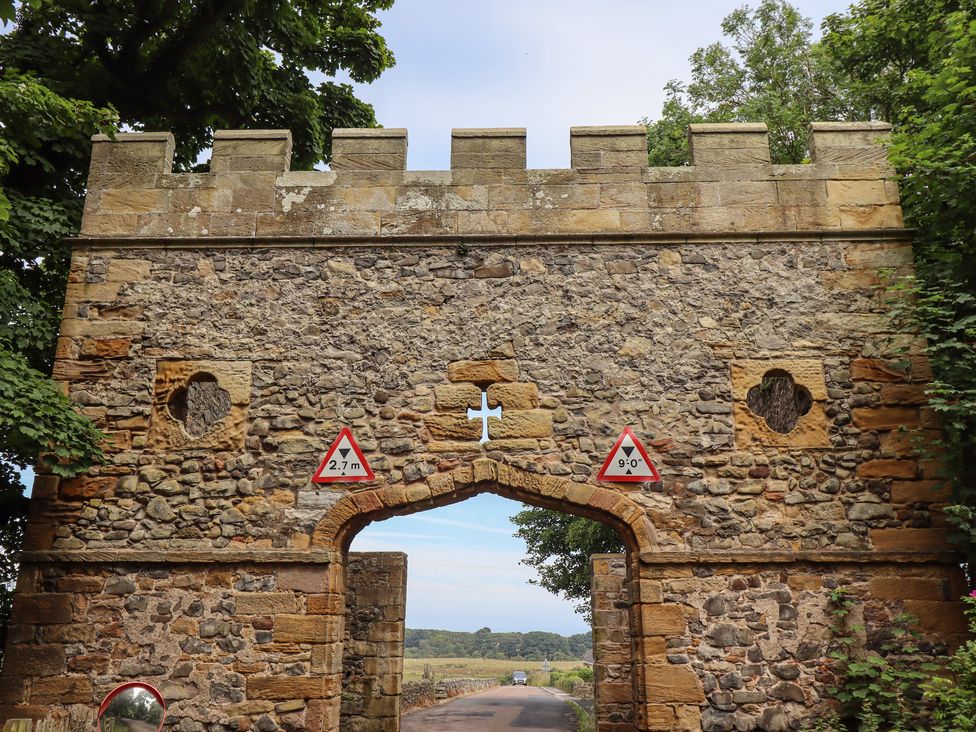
(222, 327)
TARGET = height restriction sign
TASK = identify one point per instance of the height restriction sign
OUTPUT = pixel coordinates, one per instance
(344, 462)
(628, 462)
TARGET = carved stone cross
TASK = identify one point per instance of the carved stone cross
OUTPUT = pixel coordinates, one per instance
(483, 414)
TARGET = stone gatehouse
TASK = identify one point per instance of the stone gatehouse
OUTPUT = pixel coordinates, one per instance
(222, 327)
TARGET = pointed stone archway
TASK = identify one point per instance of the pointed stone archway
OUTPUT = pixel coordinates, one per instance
(615, 508)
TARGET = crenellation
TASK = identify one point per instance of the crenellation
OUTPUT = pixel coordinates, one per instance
(732, 186)
(369, 149)
(488, 148)
(729, 144)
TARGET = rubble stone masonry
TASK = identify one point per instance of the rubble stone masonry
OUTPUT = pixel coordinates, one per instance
(222, 327)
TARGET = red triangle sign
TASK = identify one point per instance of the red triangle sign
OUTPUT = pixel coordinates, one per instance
(628, 462)
(344, 462)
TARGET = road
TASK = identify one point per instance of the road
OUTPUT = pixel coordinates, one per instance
(525, 708)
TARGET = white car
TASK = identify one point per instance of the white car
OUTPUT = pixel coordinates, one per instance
(519, 677)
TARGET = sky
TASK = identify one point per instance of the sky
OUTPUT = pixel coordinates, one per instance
(546, 65)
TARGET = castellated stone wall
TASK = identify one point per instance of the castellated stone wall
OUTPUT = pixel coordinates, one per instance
(222, 327)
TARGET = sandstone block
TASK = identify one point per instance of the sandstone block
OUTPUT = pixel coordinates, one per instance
(885, 418)
(941, 618)
(65, 689)
(128, 270)
(85, 488)
(517, 424)
(672, 684)
(453, 426)
(872, 369)
(80, 292)
(920, 491)
(265, 603)
(289, 687)
(512, 396)
(305, 628)
(888, 469)
(483, 372)
(460, 397)
(908, 588)
(43, 609)
(663, 620)
(910, 540)
(909, 394)
(42, 660)
(304, 579)
(105, 347)
(326, 604)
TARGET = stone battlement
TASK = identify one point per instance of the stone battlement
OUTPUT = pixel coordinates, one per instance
(488, 193)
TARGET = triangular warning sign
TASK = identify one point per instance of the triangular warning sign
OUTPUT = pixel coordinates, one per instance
(628, 462)
(343, 467)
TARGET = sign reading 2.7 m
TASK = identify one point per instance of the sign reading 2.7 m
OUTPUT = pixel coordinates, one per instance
(344, 462)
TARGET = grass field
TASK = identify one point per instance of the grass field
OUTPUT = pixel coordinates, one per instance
(488, 668)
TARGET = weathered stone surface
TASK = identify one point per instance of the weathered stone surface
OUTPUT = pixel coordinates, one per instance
(385, 301)
(483, 372)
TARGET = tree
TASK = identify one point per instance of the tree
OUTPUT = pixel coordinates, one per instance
(770, 71)
(43, 140)
(559, 546)
(194, 66)
(73, 68)
(915, 62)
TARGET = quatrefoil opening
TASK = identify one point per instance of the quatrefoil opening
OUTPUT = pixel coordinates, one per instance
(200, 405)
(779, 400)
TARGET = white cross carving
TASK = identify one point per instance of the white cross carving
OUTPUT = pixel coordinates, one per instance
(483, 414)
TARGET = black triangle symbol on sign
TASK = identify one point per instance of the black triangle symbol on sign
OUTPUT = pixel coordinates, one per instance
(627, 450)
(344, 451)
(629, 473)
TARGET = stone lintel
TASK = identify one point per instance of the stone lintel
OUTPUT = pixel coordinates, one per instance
(786, 557)
(143, 556)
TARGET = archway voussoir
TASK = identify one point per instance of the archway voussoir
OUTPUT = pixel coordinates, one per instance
(484, 469)
(417, 492)
(553, 487)
(579, 493)
(440, 484)
(367, 501)
(463, 475)
(393, 496)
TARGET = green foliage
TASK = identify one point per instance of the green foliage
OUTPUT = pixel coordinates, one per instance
(584, 720)
(44, 145)
(188, 67)
(879, 690)
(567, 680)
(559, 546)
(953, 697)
(533, 646)
(915, 63)
(195, 66)
(767, 71)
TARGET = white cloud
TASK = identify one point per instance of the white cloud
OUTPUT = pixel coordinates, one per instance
(462, 525)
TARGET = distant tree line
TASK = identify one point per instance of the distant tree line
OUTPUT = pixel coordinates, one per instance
(532, 646)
